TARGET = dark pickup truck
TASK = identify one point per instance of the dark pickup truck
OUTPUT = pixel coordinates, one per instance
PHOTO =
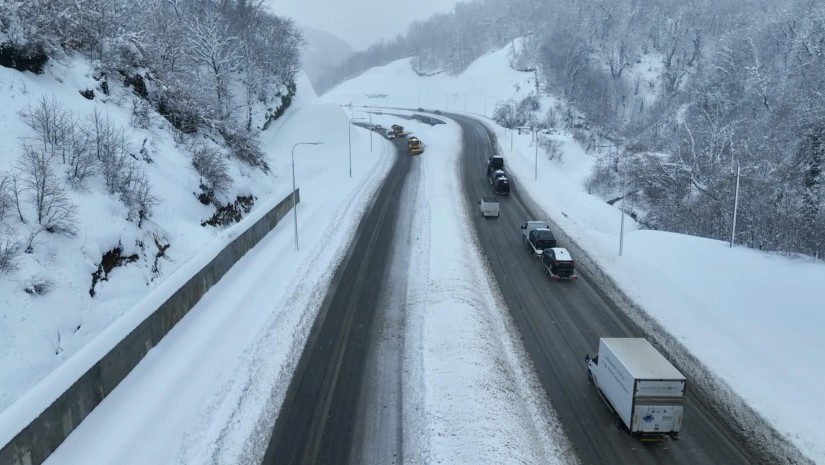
(496, 162)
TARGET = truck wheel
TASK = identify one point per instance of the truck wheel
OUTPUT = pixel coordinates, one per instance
(589, 377)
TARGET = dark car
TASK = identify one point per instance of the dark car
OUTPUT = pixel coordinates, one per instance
(437, 112)
(501, 186)
(495, 175)
(558, 263)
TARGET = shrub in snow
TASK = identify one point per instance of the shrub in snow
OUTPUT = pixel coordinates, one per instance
(9, 251)
(110, 260)
(286, 102)
(180, 110)
(77, 154)
(27, 57)
(137, 83)
(243, 145)
(61, 136)
(141, 114)
(6, 195)
(602, 179)
(551, 147)
(213, 170)
(54, 210)
(39, 286)
(231, 212)
(121, 171)
(48, 119)
(136, 194)
(512, 114)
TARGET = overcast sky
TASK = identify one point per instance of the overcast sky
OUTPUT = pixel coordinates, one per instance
(360, 22)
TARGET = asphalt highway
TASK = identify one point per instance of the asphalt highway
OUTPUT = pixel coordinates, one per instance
(318, 421)
(560, 322)
(344, 403)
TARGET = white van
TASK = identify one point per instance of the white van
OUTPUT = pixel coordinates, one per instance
(488, 206)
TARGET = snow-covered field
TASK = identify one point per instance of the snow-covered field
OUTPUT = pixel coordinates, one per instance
(754, 319)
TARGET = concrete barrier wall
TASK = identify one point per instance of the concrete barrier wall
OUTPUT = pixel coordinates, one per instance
(51, 427)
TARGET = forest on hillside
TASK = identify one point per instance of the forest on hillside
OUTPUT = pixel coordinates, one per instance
(677, 96)
(220, 68)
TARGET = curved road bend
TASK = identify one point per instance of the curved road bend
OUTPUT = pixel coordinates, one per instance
(560, 322)
(323, 408)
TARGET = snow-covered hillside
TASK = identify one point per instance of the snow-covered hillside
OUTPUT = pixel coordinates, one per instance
(47, 311)
(754, 319)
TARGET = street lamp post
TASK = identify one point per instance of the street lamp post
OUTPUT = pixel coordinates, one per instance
(536, 142)
(350, 144)
(735, 206)
(621, 226)
(294, 203)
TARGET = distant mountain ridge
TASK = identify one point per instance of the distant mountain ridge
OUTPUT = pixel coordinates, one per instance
(323, 51)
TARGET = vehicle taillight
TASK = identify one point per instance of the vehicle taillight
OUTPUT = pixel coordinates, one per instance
(555, 263)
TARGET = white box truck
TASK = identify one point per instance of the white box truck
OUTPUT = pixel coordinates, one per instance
(644, 390)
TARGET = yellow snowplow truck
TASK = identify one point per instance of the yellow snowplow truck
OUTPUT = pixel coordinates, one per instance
(399, 130)
(414, 146)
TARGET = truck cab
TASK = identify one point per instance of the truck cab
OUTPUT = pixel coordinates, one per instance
(414, 146)
(398, 130)
(496, 162)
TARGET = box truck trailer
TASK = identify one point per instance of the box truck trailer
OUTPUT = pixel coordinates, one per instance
(643, 389)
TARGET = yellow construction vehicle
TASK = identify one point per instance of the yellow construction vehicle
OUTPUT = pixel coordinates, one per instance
(414, 146)
(399, 130)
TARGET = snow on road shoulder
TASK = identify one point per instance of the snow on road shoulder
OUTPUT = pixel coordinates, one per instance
(480, 401)
(237, 424)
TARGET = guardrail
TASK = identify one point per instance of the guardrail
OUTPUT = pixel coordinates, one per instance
(44, 434)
